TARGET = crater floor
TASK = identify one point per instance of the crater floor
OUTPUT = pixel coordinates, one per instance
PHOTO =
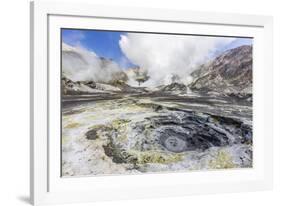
(130, 134)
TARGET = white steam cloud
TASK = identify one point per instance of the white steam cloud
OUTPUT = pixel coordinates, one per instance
(167, 56)
(80, 64)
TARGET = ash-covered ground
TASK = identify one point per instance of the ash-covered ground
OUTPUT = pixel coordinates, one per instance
(154, 132)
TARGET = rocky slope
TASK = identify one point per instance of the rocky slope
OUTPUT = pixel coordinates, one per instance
(174, 88)
(70, 87)
(230, 73)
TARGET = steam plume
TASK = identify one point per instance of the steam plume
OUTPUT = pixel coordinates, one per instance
(80, 64)
(167, 56)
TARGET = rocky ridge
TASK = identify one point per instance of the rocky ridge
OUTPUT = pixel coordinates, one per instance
(230, 73)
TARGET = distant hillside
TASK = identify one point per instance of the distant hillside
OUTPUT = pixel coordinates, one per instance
(174, 88)
(229, 73)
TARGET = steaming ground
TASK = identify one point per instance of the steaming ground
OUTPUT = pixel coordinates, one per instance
(154, 132)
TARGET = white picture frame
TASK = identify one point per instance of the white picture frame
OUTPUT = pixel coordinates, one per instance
(46, 184)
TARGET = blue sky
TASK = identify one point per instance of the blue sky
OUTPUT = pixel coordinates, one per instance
(103, 43)
(106, 43)
(238, 42)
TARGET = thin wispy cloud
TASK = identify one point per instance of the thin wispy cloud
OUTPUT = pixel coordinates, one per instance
(73, 37)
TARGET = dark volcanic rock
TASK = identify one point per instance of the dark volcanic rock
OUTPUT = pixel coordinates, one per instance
(124, 87)
(91, 84)
(92, 134)
(175, 88)
(70, 87)
(118, 154)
